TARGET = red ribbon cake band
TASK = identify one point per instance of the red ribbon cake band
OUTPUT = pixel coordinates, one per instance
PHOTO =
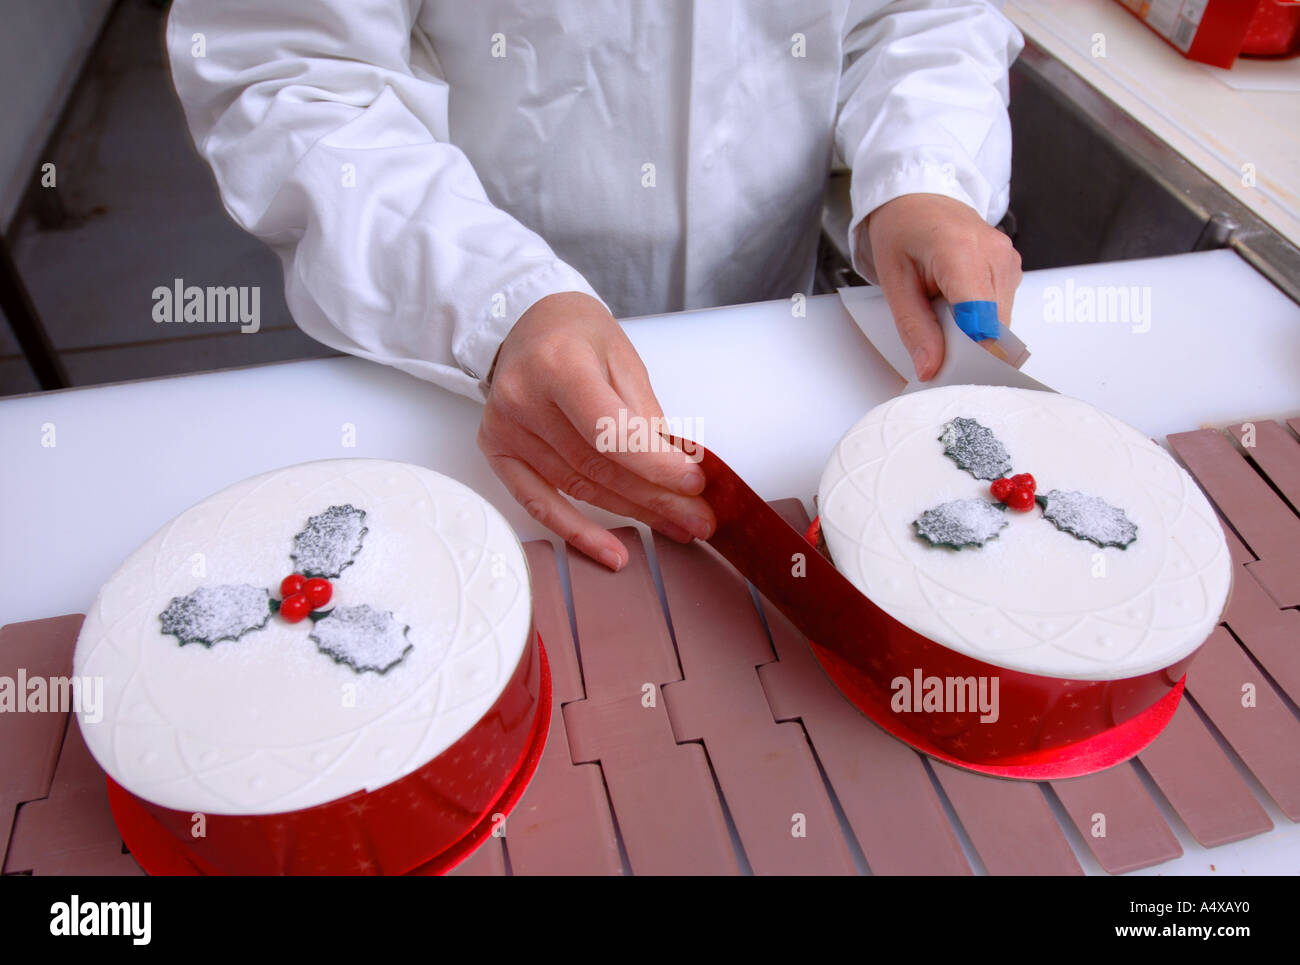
(425, 822)
(1037, 727)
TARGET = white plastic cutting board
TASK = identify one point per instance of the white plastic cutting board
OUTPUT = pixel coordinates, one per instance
(768, 389)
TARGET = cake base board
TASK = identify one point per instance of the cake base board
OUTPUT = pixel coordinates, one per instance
(1096, 753)
(159, 853)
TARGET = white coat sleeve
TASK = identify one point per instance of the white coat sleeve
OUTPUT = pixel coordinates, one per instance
(923, 106)
(330, 149)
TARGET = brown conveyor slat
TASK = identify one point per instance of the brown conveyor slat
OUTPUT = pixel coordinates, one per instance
(1201, 784)
(767, 774)
(487, 861)
(665, 802)
(1277, 453)
(881, 784)
(714, 622)
(551, 620)
(71, 831)
(766, 770)
(1269, 527)
(1241, 555)
(1264, 521)
(1265, 736)
(1010, 823)
(1118, 820)
(1280, 577)
(562, 824)
(622, 607)
(1270, 633)
(30, 742)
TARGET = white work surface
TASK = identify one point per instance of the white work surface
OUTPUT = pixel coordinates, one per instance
(1219, 120)
(768, 391)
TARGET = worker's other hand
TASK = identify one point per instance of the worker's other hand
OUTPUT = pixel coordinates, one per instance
(925, 245)
(566, 364)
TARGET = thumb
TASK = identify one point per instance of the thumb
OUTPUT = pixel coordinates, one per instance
(909, 303)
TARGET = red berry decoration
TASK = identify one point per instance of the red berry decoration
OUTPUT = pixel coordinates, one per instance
(1021, 498)
(300, 595)
(318, 591)
(294, 607)
(1016, 492)
(1001, 489)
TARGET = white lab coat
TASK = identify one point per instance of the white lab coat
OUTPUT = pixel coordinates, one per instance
(426, 171)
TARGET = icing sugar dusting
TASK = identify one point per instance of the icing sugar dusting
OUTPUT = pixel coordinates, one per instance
(975, 448)
(213, 613)
(962, 522)
(362, 637)
(1088, 517)
(329, 542)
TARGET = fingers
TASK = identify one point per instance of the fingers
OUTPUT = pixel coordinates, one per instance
(593, 408)
(691, 513)
(986, 269)
(538, 427)
(1006, 276)
(629, 378)
(964, 276)
(631, 381)
(905, 291)
(589, 477)
(548, 507)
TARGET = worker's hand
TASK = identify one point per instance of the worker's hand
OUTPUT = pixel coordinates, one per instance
(564, 366)
(925, 245)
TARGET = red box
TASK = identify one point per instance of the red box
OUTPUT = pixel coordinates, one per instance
(1216, 31)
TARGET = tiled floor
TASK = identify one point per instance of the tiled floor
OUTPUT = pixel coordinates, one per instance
(142, 210)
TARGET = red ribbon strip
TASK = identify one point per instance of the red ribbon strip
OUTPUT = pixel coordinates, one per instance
(425, 822)
(1037, 728)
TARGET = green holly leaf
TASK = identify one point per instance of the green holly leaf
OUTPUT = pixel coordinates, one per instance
(330, 541)
(961, 522)
(214, 613)
(362, 637)
(1087, 517)
(975, 448)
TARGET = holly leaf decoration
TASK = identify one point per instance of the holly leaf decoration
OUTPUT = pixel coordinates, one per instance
(1087, 517)
(362, 637)
(330, 542)
(975, 448)
(213, 613)
(961, 522)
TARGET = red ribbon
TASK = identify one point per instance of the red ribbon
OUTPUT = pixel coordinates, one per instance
(1047, 728)
(425, 822)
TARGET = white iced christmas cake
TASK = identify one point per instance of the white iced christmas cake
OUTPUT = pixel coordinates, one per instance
(1027, 530)
(311, 636)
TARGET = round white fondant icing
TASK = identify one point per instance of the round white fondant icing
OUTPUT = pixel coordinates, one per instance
(1034, 598)
(268, 723)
